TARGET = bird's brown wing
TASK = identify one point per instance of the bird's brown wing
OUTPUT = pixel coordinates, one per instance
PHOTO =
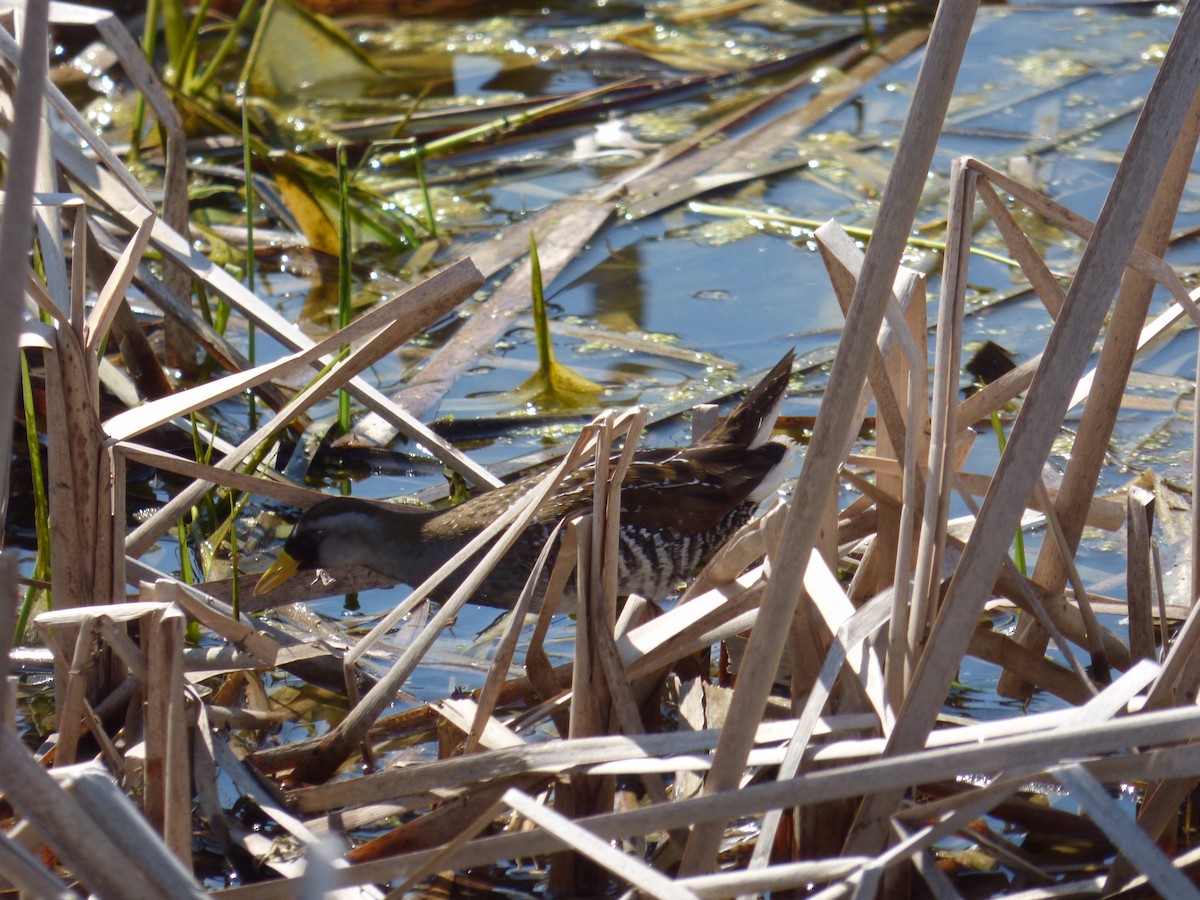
(696, 488)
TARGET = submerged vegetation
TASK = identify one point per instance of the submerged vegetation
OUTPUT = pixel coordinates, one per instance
(270, 257)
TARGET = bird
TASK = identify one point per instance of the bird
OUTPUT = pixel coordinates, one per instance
(678, 505)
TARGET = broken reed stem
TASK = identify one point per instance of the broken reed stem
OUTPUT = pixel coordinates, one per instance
(1108, 386)
(900, 652)
(1088, 299)
(943, 419)
(901, 198)
(1194, 581)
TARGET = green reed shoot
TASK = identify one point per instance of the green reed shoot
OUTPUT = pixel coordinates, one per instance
(149, 47)
(868, 30)
(541, 322)
(430, 218)
(186, 574)
(553, 384)
(203, 454)
(229, 43)
(41, 567)
(183, 62)
(235, 560)
(1019, 541)
(344, 311)
(248, 171)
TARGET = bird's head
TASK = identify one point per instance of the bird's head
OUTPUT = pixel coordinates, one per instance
(334, 533)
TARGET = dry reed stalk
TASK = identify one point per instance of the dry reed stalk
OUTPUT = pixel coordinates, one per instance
(835, 422)
(145, 79)
(1001, 650)
(1132, 740)
(79, 497)
(1112, 372)
(333, 749)
(899, 434)
(137, 69)
(139, 848)
(943, 426)
(81, 633)
(226, 834)
(687, 158)
(168, 792)
(1041, 279)
(465, 716)
(1070, 342)
(1102, 512)
(174, 307)
(216, 475)
(843, 262)
(463, 835)
(59, 820)
(644, 879)
(1194, 574)
(1095, 633)
(1133, 843)
(23, 870)
(543, 676)
(896, 523)
(739, 160)
(1176, 684)
(213, 751)
(592, 710)
(532, 758)
(81, 666)
(604, 698)
(851, 632)
(9, 600)
(416, 308)
(718, 615)
(506, 648)
(1029, 597)
(779, 877)
(79, 492)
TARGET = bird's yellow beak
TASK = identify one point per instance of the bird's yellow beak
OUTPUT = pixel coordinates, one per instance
(281, 570)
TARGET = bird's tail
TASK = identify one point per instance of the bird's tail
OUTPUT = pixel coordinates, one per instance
(751, 422)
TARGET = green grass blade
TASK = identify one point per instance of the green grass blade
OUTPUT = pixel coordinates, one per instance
(41, 505)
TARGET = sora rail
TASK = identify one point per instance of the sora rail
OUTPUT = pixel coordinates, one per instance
(678, 505)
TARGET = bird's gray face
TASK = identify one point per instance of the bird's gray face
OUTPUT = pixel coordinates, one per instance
(331, 538)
